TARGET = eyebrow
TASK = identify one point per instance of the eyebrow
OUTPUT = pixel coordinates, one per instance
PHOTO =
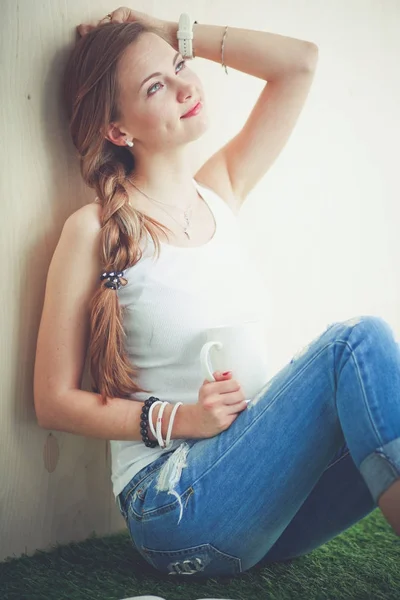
(158, 74)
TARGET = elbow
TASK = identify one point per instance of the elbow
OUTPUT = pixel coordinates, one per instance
(44, 424)
(42, 421)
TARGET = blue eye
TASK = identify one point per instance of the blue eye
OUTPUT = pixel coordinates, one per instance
(150, 92)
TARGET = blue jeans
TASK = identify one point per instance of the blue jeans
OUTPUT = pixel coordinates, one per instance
(307, 458)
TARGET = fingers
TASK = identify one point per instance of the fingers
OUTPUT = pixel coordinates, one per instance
(83, 29)
(121, 15)
(223, 385)
(218, 377)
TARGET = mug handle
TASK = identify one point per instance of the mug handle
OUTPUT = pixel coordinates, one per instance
(206, 365)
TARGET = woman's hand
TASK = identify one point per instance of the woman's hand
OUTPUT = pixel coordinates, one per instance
(219, 404)
(122, 15)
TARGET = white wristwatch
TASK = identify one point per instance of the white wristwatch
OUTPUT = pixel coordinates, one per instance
(185, 35)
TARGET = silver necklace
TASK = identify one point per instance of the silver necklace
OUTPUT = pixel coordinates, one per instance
(186, 212)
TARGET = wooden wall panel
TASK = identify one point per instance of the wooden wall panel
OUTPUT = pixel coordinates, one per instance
(55, 486)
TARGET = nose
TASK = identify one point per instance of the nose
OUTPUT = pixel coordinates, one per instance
(186, 91)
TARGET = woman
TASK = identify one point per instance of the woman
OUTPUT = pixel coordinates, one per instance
(218, 485)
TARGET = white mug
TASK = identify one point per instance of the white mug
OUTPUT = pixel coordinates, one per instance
(239, 348)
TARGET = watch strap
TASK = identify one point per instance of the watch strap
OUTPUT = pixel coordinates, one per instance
(185, 35)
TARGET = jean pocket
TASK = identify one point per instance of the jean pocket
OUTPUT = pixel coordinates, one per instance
(135, 499)
(204, 560)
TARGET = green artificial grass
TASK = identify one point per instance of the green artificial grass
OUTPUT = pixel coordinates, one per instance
(361, 563)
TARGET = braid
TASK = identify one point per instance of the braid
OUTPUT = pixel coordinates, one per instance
(110, 368)
(122, 228)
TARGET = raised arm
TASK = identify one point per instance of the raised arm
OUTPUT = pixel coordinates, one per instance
(288, 66)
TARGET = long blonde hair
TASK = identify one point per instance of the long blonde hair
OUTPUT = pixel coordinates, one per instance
(91, 96)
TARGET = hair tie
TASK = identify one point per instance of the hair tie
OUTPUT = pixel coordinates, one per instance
(115, 279)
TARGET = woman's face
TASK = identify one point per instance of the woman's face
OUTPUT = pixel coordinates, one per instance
(156, 88)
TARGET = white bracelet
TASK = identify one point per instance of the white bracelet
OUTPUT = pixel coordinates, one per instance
(159, 421)
(169, 443)
(153, 431)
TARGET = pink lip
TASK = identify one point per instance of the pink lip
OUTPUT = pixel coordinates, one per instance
(196, 109)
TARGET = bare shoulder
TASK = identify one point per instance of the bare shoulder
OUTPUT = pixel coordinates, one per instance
(87, 218)
(214, 175)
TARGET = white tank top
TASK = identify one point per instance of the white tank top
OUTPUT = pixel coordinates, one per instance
(168, 304)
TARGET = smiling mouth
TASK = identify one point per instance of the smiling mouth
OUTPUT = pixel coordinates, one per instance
(192, 111)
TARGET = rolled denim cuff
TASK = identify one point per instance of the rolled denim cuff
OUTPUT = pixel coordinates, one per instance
(382, 468)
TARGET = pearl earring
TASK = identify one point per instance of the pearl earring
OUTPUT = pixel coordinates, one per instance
(128, 143)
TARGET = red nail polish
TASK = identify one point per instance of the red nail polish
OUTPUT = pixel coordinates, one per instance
(227, 373)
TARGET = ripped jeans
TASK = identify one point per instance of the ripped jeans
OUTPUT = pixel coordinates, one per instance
(307, 459)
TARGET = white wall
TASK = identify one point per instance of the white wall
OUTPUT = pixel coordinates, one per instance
(323, 223)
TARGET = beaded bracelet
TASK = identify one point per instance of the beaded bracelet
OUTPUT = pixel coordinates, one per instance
(144, 420)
